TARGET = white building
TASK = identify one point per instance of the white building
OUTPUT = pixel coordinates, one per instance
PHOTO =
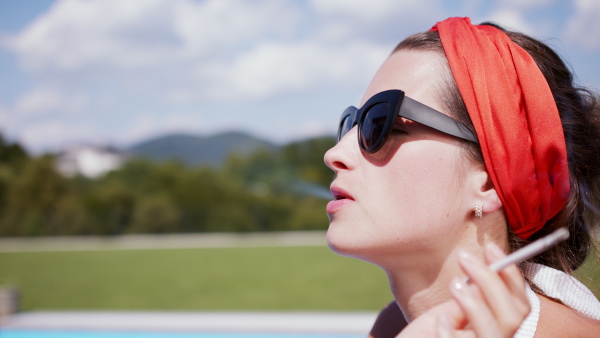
(89, 161)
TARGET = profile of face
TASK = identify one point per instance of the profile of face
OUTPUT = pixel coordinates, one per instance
(409, 196)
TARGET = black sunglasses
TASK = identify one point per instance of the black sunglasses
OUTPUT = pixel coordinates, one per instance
(376, 118)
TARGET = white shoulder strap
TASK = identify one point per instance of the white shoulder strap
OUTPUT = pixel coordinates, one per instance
(529, 325)
(559, 285)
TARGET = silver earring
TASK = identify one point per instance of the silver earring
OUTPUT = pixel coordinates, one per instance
(479, 208)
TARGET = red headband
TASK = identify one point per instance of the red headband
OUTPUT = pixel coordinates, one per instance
(516, 120)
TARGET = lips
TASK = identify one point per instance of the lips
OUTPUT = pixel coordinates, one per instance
(339, 193)
(341, 199)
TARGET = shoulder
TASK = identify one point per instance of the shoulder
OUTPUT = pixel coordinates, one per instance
(558, 320)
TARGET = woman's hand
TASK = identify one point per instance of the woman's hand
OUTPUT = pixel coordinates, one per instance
(492, 304)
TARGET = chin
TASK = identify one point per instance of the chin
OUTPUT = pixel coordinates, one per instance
(347, 244)
(338, 241)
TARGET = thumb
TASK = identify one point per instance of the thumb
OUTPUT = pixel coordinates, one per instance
(452, 311)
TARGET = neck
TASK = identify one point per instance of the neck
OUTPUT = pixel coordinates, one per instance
(423, 285)
(421, 280)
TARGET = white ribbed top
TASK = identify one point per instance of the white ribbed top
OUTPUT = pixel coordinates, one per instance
(559, 285)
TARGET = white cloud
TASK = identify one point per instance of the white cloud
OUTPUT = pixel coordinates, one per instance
(130, 34)
(376, 11)
(512, 19)
(54, 135)
(95, 57)
(47, 99)
(38, 99)
(524, 4)
(344, 49)
(228, 25)
(375, 20)
(109, 61)
(271, 68)
(184, 50)
(584, 26)
(371, 11)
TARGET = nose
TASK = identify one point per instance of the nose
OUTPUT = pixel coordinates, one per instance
(342, 156)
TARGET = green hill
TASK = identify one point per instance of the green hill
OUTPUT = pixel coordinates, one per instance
(198, 150)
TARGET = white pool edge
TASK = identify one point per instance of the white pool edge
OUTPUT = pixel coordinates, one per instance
(266, 322)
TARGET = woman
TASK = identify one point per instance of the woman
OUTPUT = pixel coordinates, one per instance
(472, 142)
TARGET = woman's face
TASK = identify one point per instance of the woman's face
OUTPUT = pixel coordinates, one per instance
(406, 197)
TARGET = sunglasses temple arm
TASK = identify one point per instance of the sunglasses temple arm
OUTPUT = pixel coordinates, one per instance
(430, 117)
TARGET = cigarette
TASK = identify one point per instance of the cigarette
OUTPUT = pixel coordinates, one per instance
(530, 250)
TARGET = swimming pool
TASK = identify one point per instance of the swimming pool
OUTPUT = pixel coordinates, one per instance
(111, 324)
(18, 333)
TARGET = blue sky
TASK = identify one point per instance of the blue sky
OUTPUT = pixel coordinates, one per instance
(117, 72)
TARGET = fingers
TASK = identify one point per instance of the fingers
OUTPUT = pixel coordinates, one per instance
(426, 325)
(494, 303)
(476, 309)
(511, 276)
(452, 311)
(444, 327)
(513, 280)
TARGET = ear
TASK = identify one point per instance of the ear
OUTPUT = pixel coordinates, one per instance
(484, 190)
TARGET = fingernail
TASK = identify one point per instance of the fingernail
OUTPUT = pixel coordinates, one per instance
(458, 284)
(467, 258)
(495, 250)
(443, 326)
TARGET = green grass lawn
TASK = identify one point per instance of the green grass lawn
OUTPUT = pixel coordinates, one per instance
(589, 273)
(277, 278)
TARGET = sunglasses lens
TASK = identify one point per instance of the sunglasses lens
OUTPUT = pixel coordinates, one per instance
(345, 127)
(373, 126)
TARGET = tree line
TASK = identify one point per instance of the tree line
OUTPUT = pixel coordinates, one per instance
(263, 191)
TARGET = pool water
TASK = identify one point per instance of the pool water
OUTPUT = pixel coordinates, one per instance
(15, 333)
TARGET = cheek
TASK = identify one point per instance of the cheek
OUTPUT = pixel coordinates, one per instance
(420, 187)
(406, 205)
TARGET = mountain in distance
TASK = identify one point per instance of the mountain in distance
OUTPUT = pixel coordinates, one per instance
(198, 150)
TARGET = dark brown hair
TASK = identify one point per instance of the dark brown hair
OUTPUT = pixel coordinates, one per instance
(580, 115)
